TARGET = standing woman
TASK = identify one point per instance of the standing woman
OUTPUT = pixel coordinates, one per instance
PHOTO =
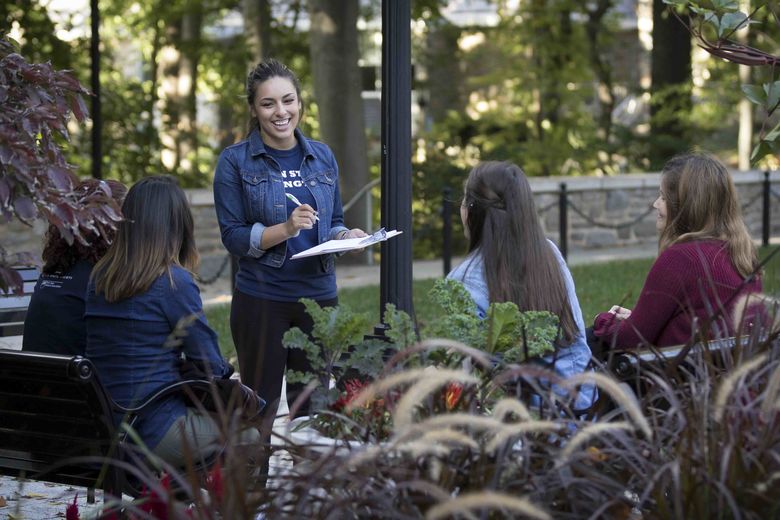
(141, 297)
(258, 185)
(510, 260)
(705, 262)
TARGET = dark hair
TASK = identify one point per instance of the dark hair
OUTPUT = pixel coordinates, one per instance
(59, 256)
(264, 71)
(157, 233)
(520, 265)
(702, 203)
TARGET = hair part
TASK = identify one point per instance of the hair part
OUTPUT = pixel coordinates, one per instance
(520, 265)
(701, 204)
(157, 233)
(265, 70)
(58, 255)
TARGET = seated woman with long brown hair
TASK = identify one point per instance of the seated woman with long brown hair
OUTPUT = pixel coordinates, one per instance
(144, 315)
(510, 260)
(706, 264)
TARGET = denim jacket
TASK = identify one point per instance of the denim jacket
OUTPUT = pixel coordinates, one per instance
(568, 360)
(249, 196)
(131, 344)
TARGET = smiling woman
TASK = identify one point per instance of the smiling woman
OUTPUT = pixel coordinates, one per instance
(276, 193)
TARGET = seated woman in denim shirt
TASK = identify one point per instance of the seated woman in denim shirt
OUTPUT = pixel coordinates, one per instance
(144, 313)
(510, 260)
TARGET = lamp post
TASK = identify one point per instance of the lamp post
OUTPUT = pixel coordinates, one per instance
(97, 121)
(396, 183)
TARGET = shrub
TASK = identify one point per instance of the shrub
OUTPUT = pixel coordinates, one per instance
(35, 178)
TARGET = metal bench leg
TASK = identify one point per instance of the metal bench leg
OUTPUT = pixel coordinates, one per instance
(90, 495)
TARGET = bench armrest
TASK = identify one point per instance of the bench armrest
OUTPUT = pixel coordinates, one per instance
(166, 390)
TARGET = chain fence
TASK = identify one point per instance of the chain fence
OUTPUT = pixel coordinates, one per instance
(220, 271)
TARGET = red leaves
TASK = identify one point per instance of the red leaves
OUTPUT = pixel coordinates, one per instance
(35, 178)
(25, 208)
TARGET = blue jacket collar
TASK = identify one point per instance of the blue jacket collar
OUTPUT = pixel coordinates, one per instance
(257, 147)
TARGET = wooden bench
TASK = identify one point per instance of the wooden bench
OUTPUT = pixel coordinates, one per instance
(56, 422)
(13, 307)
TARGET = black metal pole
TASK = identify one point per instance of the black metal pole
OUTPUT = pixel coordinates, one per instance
(563, 224)
(396, 264)
(766, 210)
(446, 216)
(97, 121)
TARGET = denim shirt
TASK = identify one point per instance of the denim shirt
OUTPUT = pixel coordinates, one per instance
(249, 196)
(129, 343)
(568, 360)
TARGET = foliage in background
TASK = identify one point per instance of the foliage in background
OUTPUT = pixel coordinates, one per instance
(714, 25)
(35, 178)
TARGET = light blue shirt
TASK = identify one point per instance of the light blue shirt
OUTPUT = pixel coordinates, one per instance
(568, 360)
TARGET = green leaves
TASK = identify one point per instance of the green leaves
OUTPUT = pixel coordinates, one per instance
(513, 335)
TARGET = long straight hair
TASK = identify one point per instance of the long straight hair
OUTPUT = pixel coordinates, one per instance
(701, 204)
(520, 265)
(157, 233)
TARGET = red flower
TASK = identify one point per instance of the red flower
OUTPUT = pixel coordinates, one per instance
(352, 388)
(452, 395)
(72, 511)
(152, 503)
(215, 484)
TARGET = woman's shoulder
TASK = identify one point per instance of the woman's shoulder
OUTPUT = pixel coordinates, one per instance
(239, 148)
(693, 251)
(182, 275)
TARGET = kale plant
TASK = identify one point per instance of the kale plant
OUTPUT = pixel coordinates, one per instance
(506, 332)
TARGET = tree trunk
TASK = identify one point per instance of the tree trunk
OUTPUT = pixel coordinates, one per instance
(603, 70)
(333, 44)
(670, 104)
(257, 23)
(178, 70)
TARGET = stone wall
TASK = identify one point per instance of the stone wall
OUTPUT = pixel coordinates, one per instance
(601, 200)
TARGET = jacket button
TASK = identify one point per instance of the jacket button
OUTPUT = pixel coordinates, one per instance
(312, 183)
(254, 179)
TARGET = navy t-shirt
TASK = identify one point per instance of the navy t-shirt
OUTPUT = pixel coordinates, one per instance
(303, 277)
(55, 317)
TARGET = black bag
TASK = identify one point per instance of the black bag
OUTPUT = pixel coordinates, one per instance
(232, 394)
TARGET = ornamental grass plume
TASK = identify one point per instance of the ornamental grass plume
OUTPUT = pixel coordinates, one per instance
(587, 433)
(729, 383)
(486, 501)
(617, 393)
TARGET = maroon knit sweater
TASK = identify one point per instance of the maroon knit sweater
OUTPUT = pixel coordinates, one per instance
(690, 280)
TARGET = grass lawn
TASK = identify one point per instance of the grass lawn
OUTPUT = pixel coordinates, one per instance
(599, 286)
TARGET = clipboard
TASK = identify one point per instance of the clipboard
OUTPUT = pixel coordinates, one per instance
(347, 244)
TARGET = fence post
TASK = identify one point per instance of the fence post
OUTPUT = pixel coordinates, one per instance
(563, 225)
(446, 215)
(369, 226)
(765, 222)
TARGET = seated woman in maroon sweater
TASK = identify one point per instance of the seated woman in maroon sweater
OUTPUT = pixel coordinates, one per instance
(705, 266)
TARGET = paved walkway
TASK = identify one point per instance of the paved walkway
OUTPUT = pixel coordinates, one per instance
(363, 275)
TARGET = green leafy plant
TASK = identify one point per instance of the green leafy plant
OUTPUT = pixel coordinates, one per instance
(506, 332)
(339, 349)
